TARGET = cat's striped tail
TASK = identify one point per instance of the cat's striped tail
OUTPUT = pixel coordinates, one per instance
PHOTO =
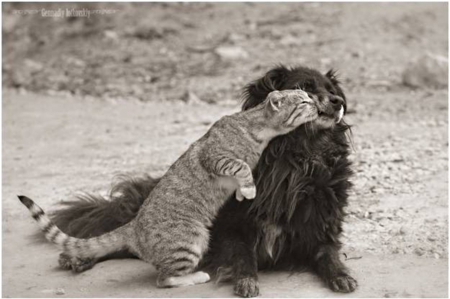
(82, 248)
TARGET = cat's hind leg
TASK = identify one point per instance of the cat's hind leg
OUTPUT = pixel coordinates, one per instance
(178, 266)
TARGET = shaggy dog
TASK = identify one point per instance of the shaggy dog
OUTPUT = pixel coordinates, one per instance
(294, 222)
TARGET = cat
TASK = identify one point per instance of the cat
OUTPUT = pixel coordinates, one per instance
(171, 230)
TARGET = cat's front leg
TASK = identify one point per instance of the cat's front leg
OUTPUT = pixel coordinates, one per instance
(242, 172)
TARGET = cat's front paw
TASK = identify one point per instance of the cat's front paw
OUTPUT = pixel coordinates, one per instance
(248, 192)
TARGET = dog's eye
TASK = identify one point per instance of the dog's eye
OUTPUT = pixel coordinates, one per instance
(306, 86)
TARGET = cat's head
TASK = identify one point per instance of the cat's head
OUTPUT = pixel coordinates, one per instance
(288, 109)
(325, 91)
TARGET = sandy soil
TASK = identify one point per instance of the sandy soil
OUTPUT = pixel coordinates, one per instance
(396, 236)
(128, 92)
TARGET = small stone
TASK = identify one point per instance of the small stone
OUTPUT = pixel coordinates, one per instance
(356, 54)
(419, 251)
(437, 256)
(111, 35)
(290, 40)
(190, 98)
(431, 238)
(235, 37)
(33, 66)
(357, 211)
(231, 53)
(60, 291)
(73, 61)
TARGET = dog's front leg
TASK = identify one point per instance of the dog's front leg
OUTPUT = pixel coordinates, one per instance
(331, 269)
(245, 270)
(233, 251)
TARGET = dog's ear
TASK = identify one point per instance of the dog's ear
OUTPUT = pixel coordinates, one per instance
(257, 91)
(331, 74)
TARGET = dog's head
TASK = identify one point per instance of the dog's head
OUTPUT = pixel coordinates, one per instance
(323, 89)
(312, 156)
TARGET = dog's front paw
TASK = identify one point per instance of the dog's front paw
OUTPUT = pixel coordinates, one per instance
(247, 287)
(248, 192)
(343, 283)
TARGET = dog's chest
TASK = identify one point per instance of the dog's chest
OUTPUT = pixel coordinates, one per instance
(270, 241)
(315, 221)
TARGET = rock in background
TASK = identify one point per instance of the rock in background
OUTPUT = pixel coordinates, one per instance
(429, 71)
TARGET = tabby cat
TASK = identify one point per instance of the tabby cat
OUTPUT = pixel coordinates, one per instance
(171, 230)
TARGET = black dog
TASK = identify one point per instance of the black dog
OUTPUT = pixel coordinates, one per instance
(296, 219)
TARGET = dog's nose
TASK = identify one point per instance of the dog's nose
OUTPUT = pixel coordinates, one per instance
(336, 101)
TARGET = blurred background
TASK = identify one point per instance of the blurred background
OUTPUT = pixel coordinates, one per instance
(161, 51)
(128, 88)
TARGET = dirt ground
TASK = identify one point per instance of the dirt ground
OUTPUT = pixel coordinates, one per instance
(396, 236)
(62, 135)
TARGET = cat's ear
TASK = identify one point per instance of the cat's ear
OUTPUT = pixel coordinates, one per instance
(274, 101)
(274, 104)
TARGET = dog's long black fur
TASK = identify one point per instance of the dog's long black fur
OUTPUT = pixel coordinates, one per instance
(295, 221)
